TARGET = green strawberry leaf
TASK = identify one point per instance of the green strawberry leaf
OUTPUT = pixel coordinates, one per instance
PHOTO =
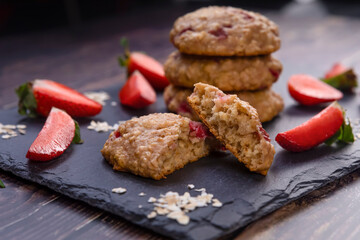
(77, 138)
(2, 184)
(344, 134)
(27, 103)
(124, 60)
(344, 81)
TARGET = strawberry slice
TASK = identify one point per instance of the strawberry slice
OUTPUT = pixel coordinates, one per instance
(137, 92)
(336, 69)
(39, 96)
(55, 137)
(151, 69)
(308, 90)
(319, 128)
(341, 77)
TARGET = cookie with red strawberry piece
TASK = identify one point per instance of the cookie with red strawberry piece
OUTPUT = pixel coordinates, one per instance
(156, 145)
(59, 131)
(236, 124)
(39, 96)
(225, 73)
(225, 31)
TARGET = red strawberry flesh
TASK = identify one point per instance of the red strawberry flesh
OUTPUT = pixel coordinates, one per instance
(199, 130)
(56, 136)
(308, 90)
(151, 69)
(50, 94)
(313, 132)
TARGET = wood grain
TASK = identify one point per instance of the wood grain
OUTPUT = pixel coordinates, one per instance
(312, 40)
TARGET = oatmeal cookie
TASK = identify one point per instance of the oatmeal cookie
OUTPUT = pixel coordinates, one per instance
(225, 31)
(236, 124)
(155, 145)
(225, 73)
(267, 103)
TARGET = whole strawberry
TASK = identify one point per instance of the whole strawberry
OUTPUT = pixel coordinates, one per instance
(39, 96)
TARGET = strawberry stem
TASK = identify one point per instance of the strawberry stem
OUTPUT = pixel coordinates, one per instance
(344, 134)
(77, 138)
(124, 60)
(27, 103)
(2, 184)
(344, 81)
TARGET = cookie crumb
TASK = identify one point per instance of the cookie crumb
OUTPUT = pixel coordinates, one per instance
(152, 200)
(142, 194)
(113, 103)
(190, 186)
(119, 190)
(140, 206)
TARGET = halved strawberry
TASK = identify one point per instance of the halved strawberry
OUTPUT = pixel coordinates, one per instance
(308, 90)
(137, 92)
(151, 69)
(318, 129)
(341, 77)
(56, 136)
(39, 96)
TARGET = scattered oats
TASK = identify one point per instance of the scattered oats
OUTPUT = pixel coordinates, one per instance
(113, 103)
(161, 211)
(216, 203)
(200, 190)
(5, 136)
(103, 126)
(22, 131)
(151, 215)
(142, 194)
(99, 97)
(191, 186)
(175, 206)
(119, 190)
(140, 206)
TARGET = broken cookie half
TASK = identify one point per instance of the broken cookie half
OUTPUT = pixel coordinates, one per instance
(156, 145)
(236, 124)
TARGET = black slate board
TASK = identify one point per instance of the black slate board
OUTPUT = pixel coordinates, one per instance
(81, 173)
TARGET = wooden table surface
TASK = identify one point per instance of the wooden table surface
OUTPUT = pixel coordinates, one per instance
(84, 58)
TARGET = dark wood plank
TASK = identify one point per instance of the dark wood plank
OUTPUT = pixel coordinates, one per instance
(86, 59)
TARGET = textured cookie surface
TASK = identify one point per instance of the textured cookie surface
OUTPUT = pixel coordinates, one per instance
(225, 73)
(236, 124)
(155, 145)
(267, 103)
(225, 31)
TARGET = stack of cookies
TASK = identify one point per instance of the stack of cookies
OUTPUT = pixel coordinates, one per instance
(230, 49)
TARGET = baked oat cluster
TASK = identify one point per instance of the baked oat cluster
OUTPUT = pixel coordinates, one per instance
(156, 145)
(229, 48)
(236, 124)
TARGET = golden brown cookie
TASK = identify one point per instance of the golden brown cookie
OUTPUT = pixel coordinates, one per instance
(236, 124)
(267, 103)
(225, 73)
(155, 145)
(225, 31)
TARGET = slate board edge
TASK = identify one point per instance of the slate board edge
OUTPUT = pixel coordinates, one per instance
(274, 205)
